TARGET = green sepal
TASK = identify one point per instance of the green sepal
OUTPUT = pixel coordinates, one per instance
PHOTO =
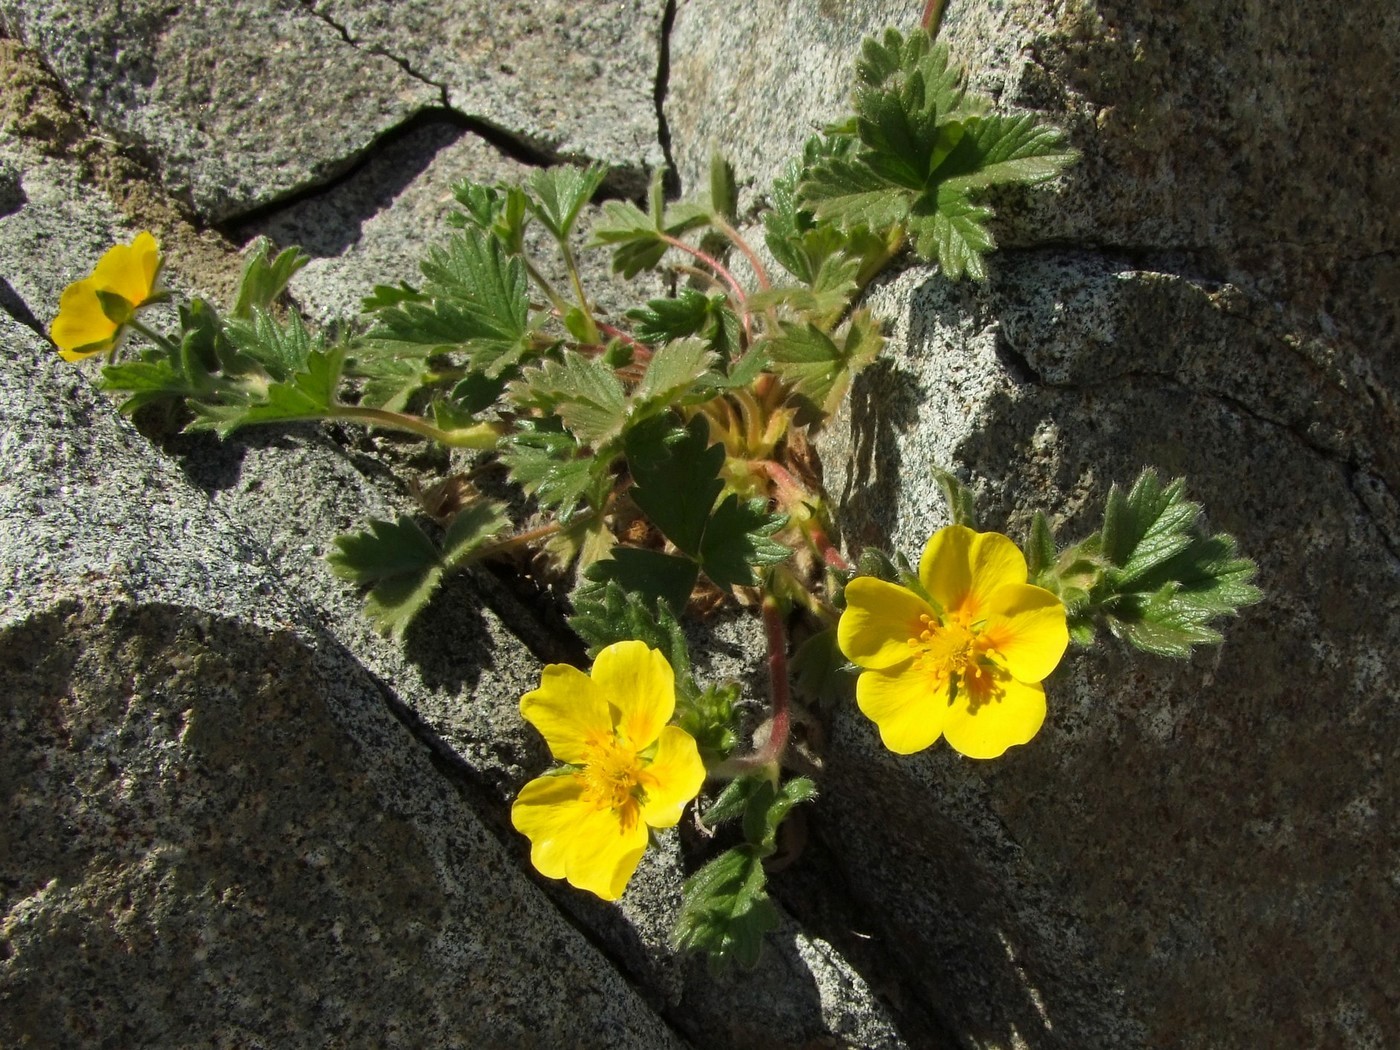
(709, 718)
(821, 671)
(961, 510)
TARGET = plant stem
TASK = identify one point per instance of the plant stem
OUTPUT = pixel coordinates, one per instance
(743, 246)
(560, 304)
(161, 341)
(933, 16)
(572, 267)
(482, 435)
(769, 756)
(520, 539)
(735, 288)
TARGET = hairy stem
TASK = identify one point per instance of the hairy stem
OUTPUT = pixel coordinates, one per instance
(481, 435)
(769, 756)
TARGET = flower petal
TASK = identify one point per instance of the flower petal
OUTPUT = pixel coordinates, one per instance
(639, 683)
(673, 778)
(569, 710)
(908, 707)
(985, 726)
(961, 569)
(593, 848)
(81, 328)
(879, 621)
(129, 269)
(1026, 627)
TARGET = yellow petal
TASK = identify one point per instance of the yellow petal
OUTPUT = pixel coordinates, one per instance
(129, 270)
(673, 778)
(595, 849)
(1026, 627)
(985, 726)
(81, 329)
(961, 569)
(879, 621)
(909, 707)
(570, 712)
(639, 683)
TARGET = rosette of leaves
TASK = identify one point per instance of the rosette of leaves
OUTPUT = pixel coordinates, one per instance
(919, 151)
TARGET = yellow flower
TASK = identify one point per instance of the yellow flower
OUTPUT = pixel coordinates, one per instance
(87, 325)
(967, 667)
(628, 770)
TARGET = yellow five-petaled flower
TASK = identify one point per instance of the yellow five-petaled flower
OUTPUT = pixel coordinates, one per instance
(968, 666)
(630, 770)
(89, 323)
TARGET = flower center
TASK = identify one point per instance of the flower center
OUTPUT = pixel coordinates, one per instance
(954, 654)
(613, 777)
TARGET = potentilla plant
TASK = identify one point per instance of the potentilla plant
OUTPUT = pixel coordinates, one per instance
(664, 461)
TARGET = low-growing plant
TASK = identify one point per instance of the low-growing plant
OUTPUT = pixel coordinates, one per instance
(664, 454)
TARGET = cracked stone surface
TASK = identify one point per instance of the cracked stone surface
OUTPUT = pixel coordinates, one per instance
(574, 78)
(276, 101)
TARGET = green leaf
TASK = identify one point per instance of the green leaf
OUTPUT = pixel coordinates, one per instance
(961, 510)
(282, 349)
(689, 313)
(402, 566)
(725, 909)
(585, 393)
(552, 467)
(559, 194)
(309, 394)
(954, 232)
(638, 238)
(673, 378)
(724, 193)
(399, 564)
(652, 576)
(1166, 582)
(676, 477)
(480, 303)
(385, 295)
(605, 612)
(819, 368)
(265, 279)
(737, 538)
(1040, 550)
(1000, 150)
(849, 194)
(768, 808)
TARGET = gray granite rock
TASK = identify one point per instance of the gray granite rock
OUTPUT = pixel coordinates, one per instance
(574, 80)
(236, 104)
(217, 831)
(756, 80)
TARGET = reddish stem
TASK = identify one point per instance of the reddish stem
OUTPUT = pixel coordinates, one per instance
(770, 755)
(735, 288)
(617, 333)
